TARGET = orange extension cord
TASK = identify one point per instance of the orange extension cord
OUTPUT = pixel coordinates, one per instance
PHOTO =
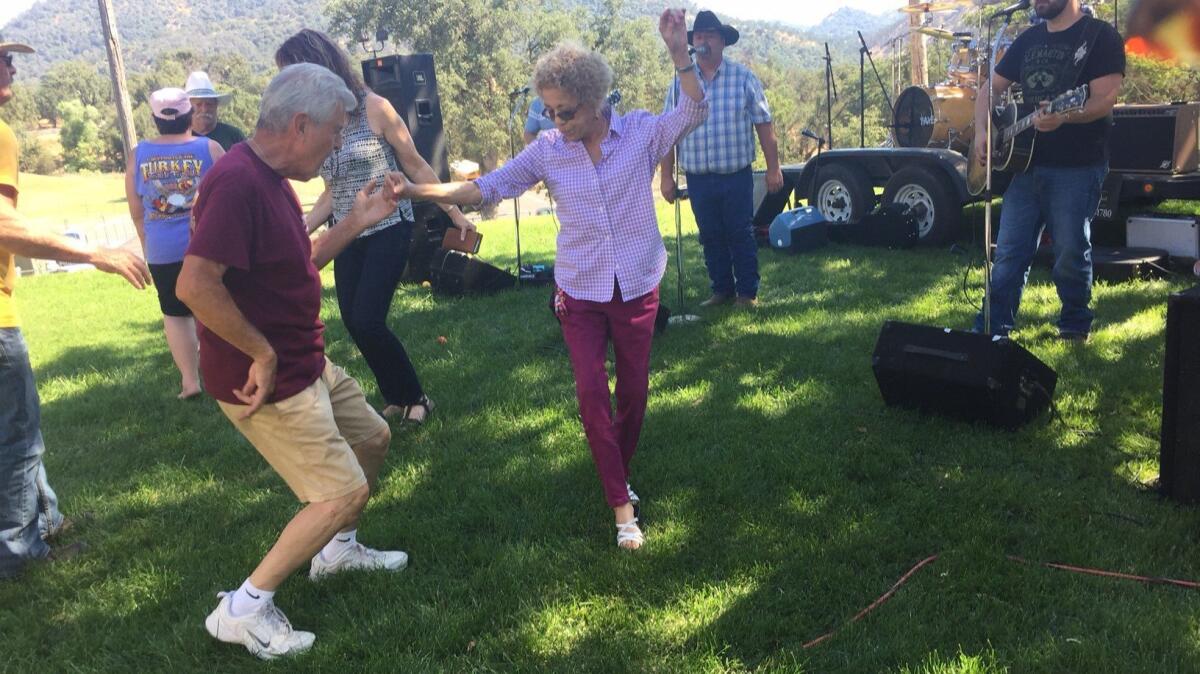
(1062, 567)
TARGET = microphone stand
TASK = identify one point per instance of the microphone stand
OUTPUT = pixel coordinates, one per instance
(864, 55)
(830, 95)
(987, 190)
(518, 105)
(683, 317)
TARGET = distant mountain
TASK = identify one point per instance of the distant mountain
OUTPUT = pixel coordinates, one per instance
(63, 31)
(845, 22)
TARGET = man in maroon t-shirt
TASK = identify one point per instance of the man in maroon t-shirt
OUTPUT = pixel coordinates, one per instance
(250, 276)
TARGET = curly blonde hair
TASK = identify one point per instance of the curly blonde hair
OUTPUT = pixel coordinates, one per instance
(577, 70)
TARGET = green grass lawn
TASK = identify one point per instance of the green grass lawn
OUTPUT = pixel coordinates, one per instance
(781, 496)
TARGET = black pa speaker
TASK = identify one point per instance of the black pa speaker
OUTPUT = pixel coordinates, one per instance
(430, 225)
(965, 375)
(1179, 454)
(456, 273)
(408, 82)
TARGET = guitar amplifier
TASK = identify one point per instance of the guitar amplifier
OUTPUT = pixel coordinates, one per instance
(1155, 138)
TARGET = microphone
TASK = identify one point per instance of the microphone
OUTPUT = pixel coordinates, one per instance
(809, 134)
(1018, 6)
(701, 50)
(519, 91)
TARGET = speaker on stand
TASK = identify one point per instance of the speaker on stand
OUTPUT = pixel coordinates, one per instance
(409, 83)
(1179, 453)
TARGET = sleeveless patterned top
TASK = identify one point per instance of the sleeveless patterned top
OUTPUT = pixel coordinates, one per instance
(363, 156)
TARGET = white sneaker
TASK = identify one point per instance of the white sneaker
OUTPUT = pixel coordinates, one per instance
(358, 556)
(265, 633)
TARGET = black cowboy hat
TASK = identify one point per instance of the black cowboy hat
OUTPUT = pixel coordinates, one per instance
(706, 20)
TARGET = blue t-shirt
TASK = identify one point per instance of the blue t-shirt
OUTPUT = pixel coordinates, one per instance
(535, 121)
(168, 175)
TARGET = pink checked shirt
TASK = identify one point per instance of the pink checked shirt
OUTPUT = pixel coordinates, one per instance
(609, 228)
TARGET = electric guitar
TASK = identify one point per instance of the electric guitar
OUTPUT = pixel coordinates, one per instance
(1014, 137)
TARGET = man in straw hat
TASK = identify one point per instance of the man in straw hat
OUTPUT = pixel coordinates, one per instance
(29, 514)
(206, 102)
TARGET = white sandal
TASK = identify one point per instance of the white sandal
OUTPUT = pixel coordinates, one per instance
(629, 532)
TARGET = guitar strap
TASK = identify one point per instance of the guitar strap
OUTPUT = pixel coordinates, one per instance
(1091, 31)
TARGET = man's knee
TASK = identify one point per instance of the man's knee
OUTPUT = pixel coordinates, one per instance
(343, 510)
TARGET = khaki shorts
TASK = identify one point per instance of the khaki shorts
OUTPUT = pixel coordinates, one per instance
(317, 440)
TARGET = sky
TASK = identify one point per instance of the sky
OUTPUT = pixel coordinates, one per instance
(803, 12)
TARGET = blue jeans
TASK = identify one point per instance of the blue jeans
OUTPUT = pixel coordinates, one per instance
(366, 274)
(1063, 199)
(28, 506)
(724, 208)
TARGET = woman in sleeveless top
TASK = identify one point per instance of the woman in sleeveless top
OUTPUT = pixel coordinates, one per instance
(161, 180)
(375, 142)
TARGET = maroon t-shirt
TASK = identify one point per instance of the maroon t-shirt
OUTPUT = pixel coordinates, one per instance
(248, 218)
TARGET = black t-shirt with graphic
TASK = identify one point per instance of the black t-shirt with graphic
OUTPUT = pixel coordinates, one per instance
(226, 136)
(1041, 61)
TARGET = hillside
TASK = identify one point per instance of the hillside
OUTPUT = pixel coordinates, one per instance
(71, 31)
(252, 29)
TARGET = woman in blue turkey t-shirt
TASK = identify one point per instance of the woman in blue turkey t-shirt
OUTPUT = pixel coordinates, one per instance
(161, 179)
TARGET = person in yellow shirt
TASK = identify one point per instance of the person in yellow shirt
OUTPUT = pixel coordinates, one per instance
(28, 506)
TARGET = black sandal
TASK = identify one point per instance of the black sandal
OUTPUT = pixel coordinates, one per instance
(407, 410)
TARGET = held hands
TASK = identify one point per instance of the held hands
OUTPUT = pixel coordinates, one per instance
(260, 384)
(124, 264)
(672, 25)
(372, 205)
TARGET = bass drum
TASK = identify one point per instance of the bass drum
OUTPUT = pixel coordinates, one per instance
(939, 117)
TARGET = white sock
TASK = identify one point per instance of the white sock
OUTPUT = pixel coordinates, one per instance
(339, 542)
(249, 599)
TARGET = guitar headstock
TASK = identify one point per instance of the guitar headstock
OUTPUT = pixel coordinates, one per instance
(1070, 101)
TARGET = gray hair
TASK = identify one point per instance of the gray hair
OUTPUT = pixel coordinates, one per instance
(577, 70)
(303, 88)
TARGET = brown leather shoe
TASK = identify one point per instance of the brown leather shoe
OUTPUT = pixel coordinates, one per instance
(746, 302)
(717, 299)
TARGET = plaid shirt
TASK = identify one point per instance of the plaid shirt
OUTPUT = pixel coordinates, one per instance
(609, 227)
(724, 143)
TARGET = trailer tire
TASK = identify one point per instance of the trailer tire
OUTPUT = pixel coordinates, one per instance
(843, 193)
(939, 216)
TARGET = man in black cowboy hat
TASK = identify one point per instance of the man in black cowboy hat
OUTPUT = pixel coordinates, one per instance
(716, 159)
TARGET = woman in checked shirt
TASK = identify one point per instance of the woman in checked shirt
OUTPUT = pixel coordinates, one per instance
(610, 256)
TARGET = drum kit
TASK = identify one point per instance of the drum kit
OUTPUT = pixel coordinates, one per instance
(943, 115)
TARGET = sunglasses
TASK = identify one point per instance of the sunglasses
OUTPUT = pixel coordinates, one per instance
(564, 115)
(7, 59)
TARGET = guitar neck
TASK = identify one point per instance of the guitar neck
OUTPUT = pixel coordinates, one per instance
(1019, 127)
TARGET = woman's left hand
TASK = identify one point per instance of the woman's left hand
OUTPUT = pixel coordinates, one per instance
(462, 223)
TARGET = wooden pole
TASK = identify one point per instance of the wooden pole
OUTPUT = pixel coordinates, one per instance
(116, 69)
(916, 47)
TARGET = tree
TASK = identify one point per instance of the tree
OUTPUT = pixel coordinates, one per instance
(72, 81)
(83, 148)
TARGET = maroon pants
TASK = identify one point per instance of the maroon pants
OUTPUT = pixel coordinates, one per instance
(587, 327)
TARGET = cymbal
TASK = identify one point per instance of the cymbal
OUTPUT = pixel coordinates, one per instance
(939, 33)
(924, 7)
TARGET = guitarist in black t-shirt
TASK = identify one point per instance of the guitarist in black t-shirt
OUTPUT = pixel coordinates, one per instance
(1061, 187)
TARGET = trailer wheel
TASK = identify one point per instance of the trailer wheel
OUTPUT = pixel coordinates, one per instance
(843, 193)
(938, 215)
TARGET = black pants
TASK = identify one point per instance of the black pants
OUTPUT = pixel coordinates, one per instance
(366, 274)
